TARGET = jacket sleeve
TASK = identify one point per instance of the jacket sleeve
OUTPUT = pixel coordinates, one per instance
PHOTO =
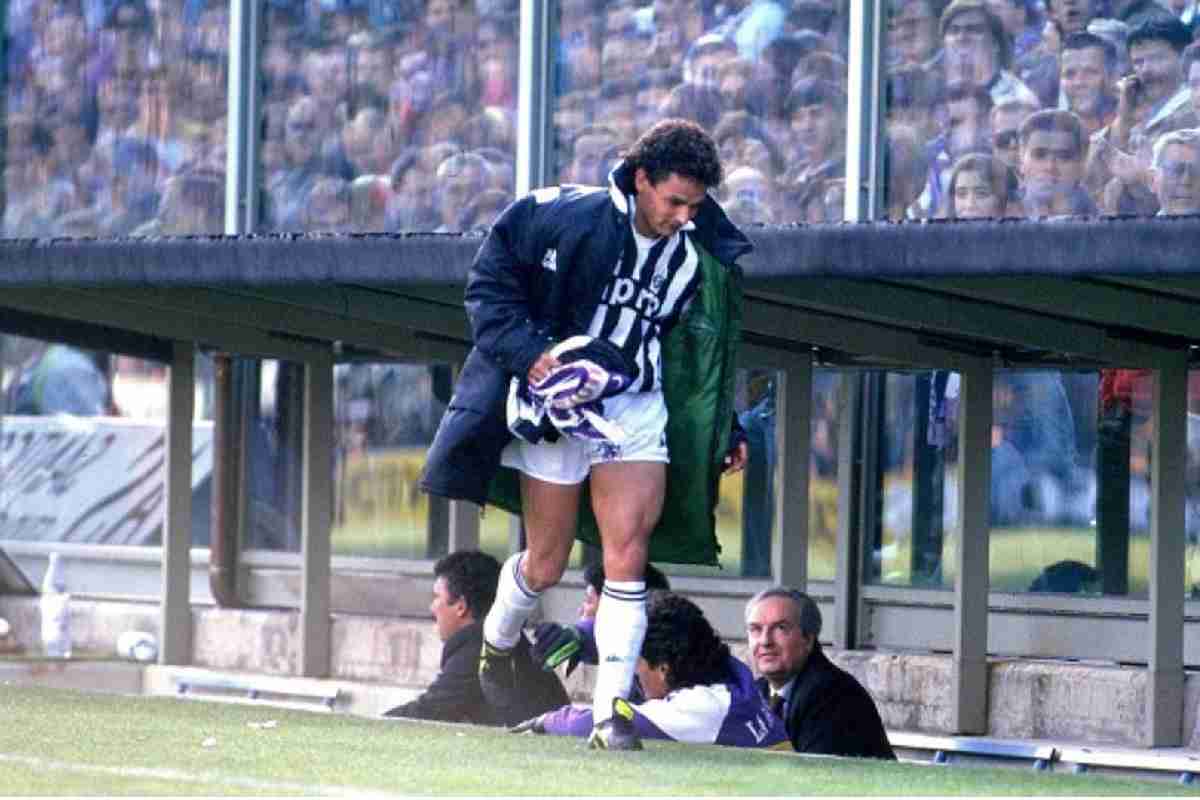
(577, 721)
(499, 296)
(454, 695)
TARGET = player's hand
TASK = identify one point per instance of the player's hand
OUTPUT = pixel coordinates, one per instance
(554, 644)
(735, 459)
(534, 725)
(542, 367)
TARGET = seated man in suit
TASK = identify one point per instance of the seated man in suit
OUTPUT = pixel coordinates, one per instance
(824, 708)
(463, 590)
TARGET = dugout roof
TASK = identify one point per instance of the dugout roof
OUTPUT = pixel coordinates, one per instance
(1065, 293)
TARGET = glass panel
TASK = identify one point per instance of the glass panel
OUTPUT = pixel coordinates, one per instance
(115, 118)
(829, 388)
(82, 453)
(268, 396)
(1069, 485)
(1045, 519)
(746, 521)
(990, 111)
(386, 415)
(767, 80)
(909, 539)
(387, 116)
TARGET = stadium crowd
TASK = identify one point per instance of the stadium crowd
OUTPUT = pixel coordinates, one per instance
(385, 115)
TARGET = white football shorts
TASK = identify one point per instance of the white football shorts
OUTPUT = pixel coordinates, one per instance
(641, 415)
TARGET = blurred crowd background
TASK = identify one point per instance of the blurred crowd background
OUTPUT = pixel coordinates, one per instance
(400, 115)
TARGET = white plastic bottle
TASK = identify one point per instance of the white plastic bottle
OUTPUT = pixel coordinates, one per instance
(56, 611)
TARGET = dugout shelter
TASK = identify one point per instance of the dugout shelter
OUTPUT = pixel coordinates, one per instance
(885, 357)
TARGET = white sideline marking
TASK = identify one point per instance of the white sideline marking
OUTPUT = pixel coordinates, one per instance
(191, 777)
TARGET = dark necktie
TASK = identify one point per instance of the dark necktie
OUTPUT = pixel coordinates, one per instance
(776, 704)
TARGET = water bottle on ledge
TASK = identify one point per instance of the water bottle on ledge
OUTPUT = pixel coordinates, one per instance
(56, 611)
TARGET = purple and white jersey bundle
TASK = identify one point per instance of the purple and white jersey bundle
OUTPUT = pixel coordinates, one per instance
(733, 713)
(569, 401)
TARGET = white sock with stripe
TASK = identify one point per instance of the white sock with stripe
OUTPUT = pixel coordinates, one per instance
(620, 629)
(515, 601)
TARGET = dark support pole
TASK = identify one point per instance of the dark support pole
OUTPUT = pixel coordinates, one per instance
(1112, 499)
(927, 490)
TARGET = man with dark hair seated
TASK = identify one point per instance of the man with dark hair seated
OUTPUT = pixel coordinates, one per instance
(695, 690)
(463, 590)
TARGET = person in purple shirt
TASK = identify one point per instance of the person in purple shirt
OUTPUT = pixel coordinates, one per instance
(695, 690)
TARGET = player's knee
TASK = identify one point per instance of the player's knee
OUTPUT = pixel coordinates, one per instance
(543, 572)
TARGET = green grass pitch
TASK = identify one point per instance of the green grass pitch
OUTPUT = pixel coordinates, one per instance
(55, 742)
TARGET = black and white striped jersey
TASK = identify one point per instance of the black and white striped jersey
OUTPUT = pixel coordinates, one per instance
(650, 286)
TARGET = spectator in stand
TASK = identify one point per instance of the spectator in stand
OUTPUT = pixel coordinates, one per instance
(1087, 76)
(1151, 102)
(1136, 12)
(751, 192)
(823, 65)
(912, 32)
(1176, 172)
(1190, 59)
(480, 212)
(369, 198)
(411, 206)
(817, 111)
(410, 105)
(1006, 130)
(119, 100)
(498, 63)
(501, 168)
(580, 41)
(1022, 22)
(701, 104)
(134, 196)
(459, 179)
(446, 123)
(911, 94)
(594, 151)
(654, 88)
(743, 140)
(327, 206)
(1051, 166)
(906, 170)
(1072, 16)
(747, 85)
(304, 162)
(367, 143)
(192, 203)
(977, 51)
(704, 59)
(981, 187)
(372, 58)
(964, 114)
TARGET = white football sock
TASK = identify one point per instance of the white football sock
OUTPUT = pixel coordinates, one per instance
(620, 629)
(515, 601)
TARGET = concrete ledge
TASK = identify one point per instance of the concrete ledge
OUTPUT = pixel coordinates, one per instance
(311, 694)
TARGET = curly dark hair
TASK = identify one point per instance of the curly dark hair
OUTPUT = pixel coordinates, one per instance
(472, 575)
(678, 635)
(677, 146)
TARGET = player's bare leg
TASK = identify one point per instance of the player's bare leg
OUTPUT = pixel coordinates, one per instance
(549, 514)
(627, 498)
